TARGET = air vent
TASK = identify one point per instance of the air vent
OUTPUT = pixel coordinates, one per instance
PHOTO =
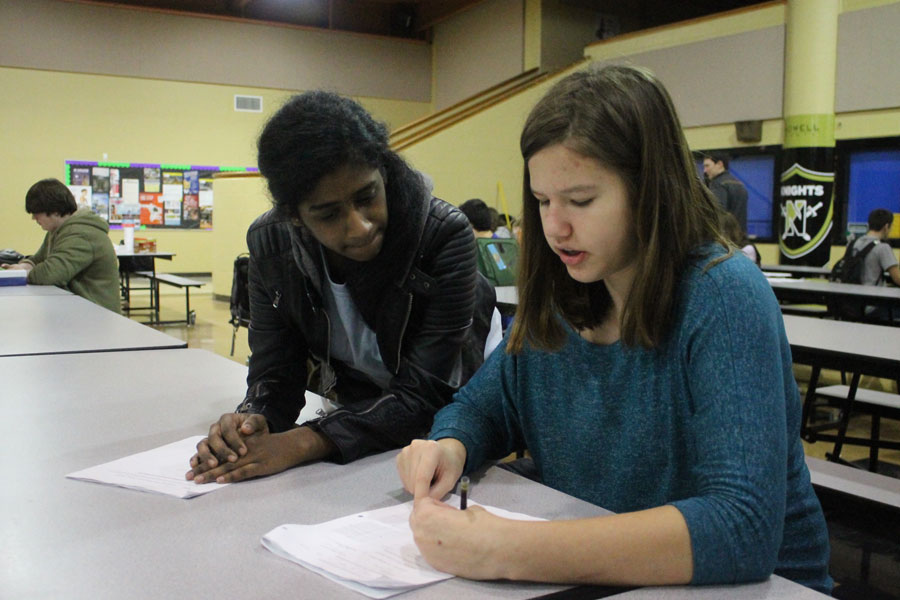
(248, 103)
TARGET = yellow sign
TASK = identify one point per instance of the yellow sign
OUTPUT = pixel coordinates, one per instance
(809, 131)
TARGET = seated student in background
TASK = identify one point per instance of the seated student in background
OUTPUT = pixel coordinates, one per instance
(363, 288)
(76, 253)
(881, 258)
(504, 226)
(647, 371)
(734, 234)
(479, 216)
(878, 260)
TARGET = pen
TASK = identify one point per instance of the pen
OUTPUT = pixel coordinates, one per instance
(463, 492)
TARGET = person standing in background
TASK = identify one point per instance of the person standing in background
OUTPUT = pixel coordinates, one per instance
(77, 253)
(728, 189)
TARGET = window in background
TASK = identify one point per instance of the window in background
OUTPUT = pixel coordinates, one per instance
(873, 182)
(757, 173)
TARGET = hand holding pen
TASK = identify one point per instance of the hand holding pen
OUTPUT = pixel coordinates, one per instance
(431, 469)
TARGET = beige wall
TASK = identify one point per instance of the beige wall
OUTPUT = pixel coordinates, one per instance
(566, 28)
(720, 70)
(867, 51)
(470, 158)
(102, 39)
(90, 82)
(238, 202)
(476, 49)
(48, 117)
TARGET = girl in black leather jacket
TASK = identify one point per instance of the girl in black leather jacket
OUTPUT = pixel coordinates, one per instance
(363, 288)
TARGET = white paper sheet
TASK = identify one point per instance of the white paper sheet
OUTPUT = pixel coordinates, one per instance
(371, 552)
(160, 470)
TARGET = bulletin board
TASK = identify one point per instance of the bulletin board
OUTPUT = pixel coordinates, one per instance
(156, 196)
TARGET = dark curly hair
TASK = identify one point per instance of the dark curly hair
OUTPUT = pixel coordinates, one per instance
(313, 135)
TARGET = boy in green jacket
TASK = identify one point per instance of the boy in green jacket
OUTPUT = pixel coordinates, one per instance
(77, 253)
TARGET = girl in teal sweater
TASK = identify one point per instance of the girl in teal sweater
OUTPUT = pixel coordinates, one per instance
(647, 371)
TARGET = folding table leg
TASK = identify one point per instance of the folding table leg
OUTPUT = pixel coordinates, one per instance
(805, 433)
(845, 419)
(876, 437)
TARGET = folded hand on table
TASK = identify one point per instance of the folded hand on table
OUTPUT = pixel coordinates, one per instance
(240, 446)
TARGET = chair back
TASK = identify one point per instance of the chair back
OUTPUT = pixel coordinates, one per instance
(240, 292)
(498, 260)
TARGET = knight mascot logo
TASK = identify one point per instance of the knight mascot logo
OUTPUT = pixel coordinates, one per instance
(807, 208)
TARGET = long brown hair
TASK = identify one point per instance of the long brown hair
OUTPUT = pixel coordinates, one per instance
(624, 118)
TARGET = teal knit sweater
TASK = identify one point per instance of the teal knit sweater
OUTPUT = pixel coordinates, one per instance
(709, 422)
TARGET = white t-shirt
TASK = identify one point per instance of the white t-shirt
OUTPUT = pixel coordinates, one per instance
(750, 251)
(352, 341)
(878, 260)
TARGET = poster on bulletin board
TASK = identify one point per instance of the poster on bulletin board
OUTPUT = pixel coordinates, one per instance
(157, 196)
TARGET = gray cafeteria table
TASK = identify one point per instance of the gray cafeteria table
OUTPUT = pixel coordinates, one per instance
(797, 270)
(8, 291)
(64, 324)
(802, 291)
(859, 348)
(790, 290)
(73, 539)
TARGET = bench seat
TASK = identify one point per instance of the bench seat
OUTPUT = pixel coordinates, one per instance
(855, 482)
(176, 281)
(840, 392)
(170, 279)
(878, 404)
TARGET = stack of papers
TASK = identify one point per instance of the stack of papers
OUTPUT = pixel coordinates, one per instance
(160, 470)
(13, 277)
(372, 552)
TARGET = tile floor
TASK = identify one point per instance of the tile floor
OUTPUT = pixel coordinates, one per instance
(865, 541)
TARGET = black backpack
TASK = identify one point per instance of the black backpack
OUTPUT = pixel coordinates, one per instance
(240, 296)
(850, 268)
(10, 257)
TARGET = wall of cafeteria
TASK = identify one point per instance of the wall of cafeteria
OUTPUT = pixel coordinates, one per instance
(148, 86)
(718, 69)
(83, 81)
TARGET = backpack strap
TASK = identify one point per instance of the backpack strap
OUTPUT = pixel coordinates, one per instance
(861, 255)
